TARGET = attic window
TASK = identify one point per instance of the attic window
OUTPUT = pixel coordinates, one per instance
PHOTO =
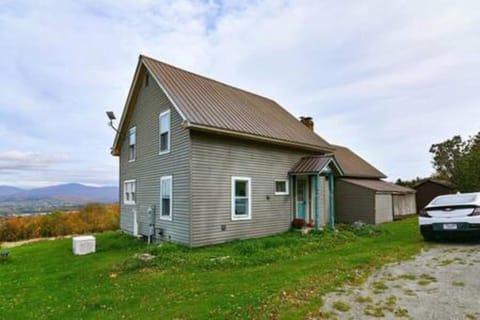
(146, 79)
(132, 142)
(164, 124)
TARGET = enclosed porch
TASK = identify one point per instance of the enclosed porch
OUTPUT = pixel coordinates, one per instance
(312, 180)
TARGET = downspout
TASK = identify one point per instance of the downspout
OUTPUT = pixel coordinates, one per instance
(331, 202)
(316, 202)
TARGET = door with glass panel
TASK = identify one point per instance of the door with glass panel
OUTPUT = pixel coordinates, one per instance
(301, 197)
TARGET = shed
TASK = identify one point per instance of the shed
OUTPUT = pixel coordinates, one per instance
(372, 200)
(428, 189)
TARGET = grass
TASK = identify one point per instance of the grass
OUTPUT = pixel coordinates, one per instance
(282, 276)
(407, 276)
(426, 279)
(401, 312)
(361, 299)
(380, 286)
(341, 306)
(374, 311)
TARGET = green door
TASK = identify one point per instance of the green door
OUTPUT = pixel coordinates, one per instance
(301, 197)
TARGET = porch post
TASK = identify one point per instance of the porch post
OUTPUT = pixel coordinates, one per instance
(316, 180)
(332, 199)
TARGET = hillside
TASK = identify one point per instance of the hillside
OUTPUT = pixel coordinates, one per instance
(9, 190)
(72, 195)
(278, 277)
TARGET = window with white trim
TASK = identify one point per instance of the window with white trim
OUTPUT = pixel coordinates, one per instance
(166, 198)
(129, 194)
(241, 198)
(164, 126)
(132, 144)
(281, 187)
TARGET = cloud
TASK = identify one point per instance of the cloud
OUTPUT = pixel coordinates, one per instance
(385, 78)
(11, 161)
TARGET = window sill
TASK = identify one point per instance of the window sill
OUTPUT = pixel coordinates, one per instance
(166, 218)
(164, 152)
(281, 193)
(239, 218)
(129, 203)
(133, 160)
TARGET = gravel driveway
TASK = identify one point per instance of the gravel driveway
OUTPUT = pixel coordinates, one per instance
(442, 282)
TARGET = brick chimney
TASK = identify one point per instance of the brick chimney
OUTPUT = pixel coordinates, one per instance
(307, 121)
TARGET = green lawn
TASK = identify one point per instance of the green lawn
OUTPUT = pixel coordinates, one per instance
(282, 276)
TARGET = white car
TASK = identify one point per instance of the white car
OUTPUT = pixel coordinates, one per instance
(452, 214)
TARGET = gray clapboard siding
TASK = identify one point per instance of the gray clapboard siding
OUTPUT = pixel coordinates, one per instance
(214, 160)
(353, 203)
(149, 166)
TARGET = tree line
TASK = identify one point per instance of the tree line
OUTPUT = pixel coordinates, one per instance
(455, 160)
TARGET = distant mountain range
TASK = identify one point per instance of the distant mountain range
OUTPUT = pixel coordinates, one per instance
(65, 196)
(8, 190)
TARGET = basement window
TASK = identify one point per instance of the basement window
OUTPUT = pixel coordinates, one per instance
(166, 198)
(129, 194)
(132, 144)
(241, 198)
(164, 124)
(281, 187)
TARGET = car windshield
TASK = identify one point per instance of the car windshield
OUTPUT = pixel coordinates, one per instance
(454, 199)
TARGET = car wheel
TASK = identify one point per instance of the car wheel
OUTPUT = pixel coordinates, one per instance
(427, 237)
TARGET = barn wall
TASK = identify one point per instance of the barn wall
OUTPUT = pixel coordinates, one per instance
(353, 203)
(429, 190)
(404, 204)
(383, 207)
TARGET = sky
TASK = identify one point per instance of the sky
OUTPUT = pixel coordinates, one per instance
(385, 78)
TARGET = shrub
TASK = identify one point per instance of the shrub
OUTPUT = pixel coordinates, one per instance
(92, 218)
(298, 223)
(360, 228)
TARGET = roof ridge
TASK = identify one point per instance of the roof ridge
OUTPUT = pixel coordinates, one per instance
(207, 78)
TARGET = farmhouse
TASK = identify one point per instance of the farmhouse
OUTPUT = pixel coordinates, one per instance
(202, 162)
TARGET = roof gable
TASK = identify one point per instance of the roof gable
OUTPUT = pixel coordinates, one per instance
(442, 183)
(208, 105)
(315, 165)
(355, 166)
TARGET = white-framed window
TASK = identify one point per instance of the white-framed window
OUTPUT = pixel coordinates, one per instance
(164, 126)
(241, 198)
(281, 187)
(129, 194)
(132, 144)
(166, 198)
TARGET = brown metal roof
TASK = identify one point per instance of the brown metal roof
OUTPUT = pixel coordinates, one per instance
(444, 183)
(355, 166)
(379, 185)
(314, 165)
(208, 104)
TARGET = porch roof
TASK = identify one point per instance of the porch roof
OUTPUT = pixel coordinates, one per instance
(315, 165)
